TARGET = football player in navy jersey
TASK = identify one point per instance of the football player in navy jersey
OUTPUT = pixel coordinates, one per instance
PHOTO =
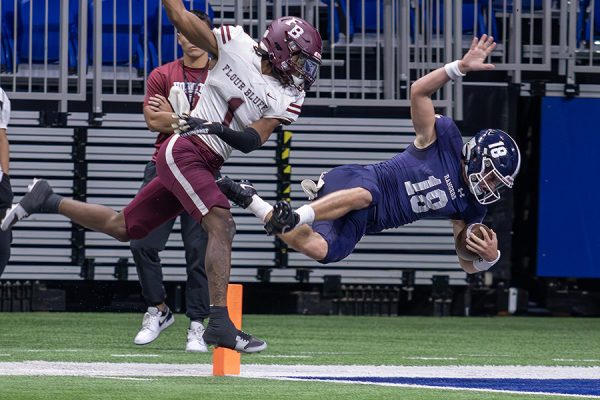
(435, 177)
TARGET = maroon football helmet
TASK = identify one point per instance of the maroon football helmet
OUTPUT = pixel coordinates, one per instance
(294, 49)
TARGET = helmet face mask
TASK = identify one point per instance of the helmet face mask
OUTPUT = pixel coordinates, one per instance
(304, 70)
(486, 184)
(294, 49)
(491, 161)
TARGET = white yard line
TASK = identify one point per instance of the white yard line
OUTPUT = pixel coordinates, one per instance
(138, 371)
(29, 368)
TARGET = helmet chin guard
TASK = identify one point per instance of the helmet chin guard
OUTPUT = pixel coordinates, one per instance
(491, 161)
(293, 47)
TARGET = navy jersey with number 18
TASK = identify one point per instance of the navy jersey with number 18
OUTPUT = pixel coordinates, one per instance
(425, 183)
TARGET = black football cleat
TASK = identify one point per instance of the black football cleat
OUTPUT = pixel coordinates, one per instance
(239, 193)
(238, 341)
(283, 219)
(32, 202)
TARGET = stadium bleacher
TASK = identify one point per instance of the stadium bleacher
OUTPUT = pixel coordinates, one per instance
(371, 71)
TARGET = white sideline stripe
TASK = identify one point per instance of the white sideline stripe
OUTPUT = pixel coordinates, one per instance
(30, 368)
(181, 179)
(406, 385)
(576, 360)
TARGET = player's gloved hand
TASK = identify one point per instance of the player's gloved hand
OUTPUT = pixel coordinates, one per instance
(6, 193)
(187, 125)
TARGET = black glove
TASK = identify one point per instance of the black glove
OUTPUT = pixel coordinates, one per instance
(245, 141)
(6, 193)
(187, 125)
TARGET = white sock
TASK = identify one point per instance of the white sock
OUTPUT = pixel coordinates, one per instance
(306, 214)
(195, 325)
(259, 207)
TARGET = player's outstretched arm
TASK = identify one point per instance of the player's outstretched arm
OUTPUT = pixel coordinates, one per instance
(251, 138)
(421, 106)
(192, 27)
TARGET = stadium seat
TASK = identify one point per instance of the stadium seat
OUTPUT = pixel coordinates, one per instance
(585, 14)
(167, 42)
(355, 23)
(498, 5)
(370, 15)
(370, 23)
(118, 50)
(7, 13)
(471, 11)
(37, 24)
(340, 19)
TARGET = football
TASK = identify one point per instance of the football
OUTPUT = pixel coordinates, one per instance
(461, 241)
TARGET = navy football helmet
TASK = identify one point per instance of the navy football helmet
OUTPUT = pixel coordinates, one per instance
(491, 161)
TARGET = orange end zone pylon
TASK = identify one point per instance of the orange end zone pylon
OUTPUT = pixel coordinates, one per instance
(226, 361)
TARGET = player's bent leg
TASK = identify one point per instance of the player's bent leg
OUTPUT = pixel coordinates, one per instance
(339, 203)
(307, 242)
(96, 217)
(220, 331)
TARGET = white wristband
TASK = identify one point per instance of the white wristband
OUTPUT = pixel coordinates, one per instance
(481, 265)
(453, 71)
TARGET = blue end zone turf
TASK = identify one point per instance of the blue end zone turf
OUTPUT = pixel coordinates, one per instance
(588, 387)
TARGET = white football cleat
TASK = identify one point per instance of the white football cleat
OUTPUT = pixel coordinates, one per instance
(195, 342)
(154, 322)
(311, 188)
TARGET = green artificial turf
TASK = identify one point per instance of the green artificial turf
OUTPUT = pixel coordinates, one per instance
(318, 340)
(313, 340)
(83, 388)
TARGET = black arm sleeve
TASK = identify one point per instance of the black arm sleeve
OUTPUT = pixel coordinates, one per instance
(244, 141)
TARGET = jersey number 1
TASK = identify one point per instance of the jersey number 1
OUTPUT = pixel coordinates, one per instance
(233, 104)
(432, 200)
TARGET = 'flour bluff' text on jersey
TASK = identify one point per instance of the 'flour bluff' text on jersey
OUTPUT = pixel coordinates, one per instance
(426, 183)
(237, 93)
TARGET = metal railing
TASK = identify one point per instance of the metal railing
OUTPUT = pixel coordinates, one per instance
(32, 66)
(373, 49)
